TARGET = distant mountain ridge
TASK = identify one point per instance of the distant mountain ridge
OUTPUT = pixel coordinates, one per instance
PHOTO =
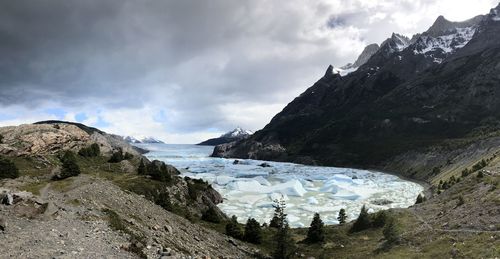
(142, 140)
(231, 136)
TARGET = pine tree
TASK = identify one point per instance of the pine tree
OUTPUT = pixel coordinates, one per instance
(233, 228)
(142, 168)
(420, 199)
(363, 222)
(342, 217)
(69, 166)
(278, 211)
(391, 231)
(284, 244)
(253, 232)
(315, 233)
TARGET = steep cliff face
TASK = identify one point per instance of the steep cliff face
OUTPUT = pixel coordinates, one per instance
(441, 86)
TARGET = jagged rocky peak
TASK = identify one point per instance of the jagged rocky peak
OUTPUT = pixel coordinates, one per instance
(366, 54)
(234, 135)
(442, 26)
(142, 140)
(361, 60)
(395, 43)
(495, 13)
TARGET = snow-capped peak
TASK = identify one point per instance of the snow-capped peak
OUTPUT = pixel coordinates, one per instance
(237, 132)
(141, 139)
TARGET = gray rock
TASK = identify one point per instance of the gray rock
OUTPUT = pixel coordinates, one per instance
(6, 199)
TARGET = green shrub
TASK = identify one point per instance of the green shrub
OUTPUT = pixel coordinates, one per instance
(116, 157)
(420, 199)
(8, 169)
(142, 168)
(479, 165)
(69, 166)
(128, 156)
(380, 219)
(391, 231)
(233, 228)
(211, 215)
(363, 222)
(461, 200)
(90, 151)
(315, 233)
(480, 174)
(1, 139)
(253, 231)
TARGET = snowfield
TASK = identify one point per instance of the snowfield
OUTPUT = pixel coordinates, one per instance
(249, 189)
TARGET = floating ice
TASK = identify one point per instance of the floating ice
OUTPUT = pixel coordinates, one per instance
(249, 189)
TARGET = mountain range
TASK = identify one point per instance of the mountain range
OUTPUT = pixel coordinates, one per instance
(410, 95)
(142, 140)
(231, 136)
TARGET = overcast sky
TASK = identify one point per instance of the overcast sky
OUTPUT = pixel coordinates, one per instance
(186, 70)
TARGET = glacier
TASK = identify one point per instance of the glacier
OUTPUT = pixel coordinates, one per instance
(249, 189)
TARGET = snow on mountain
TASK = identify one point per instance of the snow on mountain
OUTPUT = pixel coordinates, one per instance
(446, 43)
(362, 58)
(238, 132)
(233, 135)
(142, 139)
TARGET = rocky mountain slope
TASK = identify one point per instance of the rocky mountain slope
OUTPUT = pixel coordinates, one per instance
(110, 210)
(231, 136)
(438, 89)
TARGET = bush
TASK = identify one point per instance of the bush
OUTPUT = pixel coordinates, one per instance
(420, 199)
(461, 200)
(342, 217)
(90, 151)
(380, 219)
(391, 231)
(69, 166)
(233, 229)
(116, 157)
(8, 169)
(128, 156)
(363, 222)
(479, 165)
(480, 174)
(142, 168)
(1, 139)
(253, 232)
(211, 215)
(315, 233)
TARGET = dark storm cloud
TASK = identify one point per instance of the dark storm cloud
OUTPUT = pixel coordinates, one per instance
(200, 61)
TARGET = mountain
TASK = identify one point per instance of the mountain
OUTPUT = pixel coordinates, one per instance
(233, 135)
(142, 140)
(362, 59)
(413, 96)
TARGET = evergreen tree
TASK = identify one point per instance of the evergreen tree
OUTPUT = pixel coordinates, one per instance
(8, 169)
(278, 210)
(284, 244)
(420, 199)
(117, 156)
(391, 231)
(142, 168)
(363, 222)
(211, 215)
(480, 174)
(233, 228)
(379, 219)
(315, 233)
(69, 166)
(253, 232)
(342, 217)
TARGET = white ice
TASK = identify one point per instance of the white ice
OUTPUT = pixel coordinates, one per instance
(249, 189)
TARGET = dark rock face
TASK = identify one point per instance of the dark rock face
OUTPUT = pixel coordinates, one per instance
(401, 99)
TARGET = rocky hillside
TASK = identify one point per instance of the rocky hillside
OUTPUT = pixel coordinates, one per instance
(435, 91)
(131, 206)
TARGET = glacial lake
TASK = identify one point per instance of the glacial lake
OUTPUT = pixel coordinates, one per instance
(249, 189)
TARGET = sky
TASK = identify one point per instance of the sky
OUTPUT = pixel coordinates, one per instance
(184, 71)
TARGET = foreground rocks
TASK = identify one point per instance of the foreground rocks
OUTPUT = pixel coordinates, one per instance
(93, 218)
